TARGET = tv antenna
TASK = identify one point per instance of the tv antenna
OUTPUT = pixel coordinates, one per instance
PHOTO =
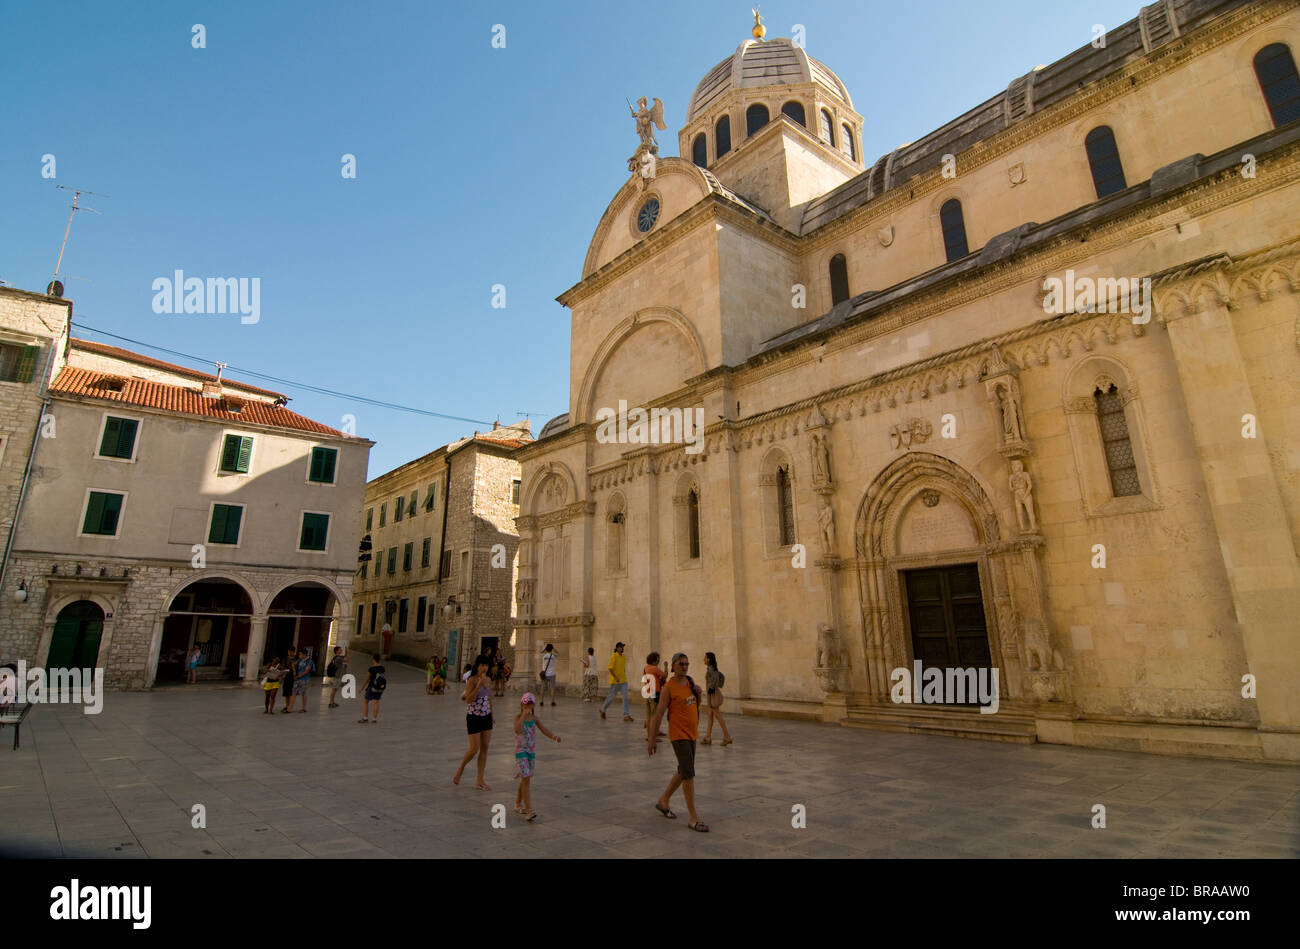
(76, 194)
(528, 415)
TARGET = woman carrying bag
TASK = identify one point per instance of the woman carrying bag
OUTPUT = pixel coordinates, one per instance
(714, 680)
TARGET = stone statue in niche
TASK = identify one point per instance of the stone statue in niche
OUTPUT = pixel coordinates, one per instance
(1022, 487)
(1010, 409)
(821, 459)
(826, 521)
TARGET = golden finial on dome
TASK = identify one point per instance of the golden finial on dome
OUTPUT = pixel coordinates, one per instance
(760, 30)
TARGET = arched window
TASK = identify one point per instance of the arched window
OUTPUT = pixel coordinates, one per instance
(954, 230)
(785, 507)
(839, 279)
(756, 116)
(846, 143)
(1275, 69)
(1116, 444)
(700, 151)
(795, 111)
(722, 136)
(1103, 157)
(693, 524)
(827, 128)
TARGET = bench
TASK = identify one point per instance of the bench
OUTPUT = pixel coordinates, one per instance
(13, 715)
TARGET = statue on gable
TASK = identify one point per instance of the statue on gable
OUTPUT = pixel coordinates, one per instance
(645, 118)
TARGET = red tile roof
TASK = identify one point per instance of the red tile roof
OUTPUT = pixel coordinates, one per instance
(103, 349)
(90, 383)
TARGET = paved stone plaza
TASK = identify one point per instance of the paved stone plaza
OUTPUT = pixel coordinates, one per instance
(123, 783)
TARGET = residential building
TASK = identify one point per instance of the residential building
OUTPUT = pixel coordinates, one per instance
(443, 549)
(169, 509)
(33, 331)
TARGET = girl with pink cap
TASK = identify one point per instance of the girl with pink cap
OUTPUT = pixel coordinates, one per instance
(526, 728)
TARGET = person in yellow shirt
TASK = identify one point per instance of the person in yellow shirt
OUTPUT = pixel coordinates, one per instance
(618, 682)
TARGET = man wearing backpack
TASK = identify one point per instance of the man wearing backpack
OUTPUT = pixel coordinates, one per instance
(376, 683)
(679, 699)
(336, 670)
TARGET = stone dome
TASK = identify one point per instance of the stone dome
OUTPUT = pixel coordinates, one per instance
(759, 63)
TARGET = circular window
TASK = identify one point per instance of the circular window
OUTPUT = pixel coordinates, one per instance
(646, 217)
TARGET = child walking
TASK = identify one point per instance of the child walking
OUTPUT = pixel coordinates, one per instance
(526, 728)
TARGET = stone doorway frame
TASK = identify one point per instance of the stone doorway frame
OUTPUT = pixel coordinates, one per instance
(886, 629)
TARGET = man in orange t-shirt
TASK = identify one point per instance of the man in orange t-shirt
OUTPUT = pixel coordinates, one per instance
(679, 699)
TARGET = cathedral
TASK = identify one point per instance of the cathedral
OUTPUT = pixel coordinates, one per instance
(1019, 397)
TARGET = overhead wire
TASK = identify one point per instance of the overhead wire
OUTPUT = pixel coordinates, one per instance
(308, 387)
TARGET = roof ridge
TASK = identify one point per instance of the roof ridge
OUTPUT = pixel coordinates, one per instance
(107, 349)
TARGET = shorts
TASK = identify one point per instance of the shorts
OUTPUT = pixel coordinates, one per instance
(525, 764)
(684, 749)
(478, 723)
(300, 685)
(373, 695)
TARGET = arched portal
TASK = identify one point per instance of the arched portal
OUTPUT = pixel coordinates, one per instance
(301, 616)
(77, 632)
(213, 614)
(932, 573)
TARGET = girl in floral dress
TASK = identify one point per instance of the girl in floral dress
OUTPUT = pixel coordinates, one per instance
(526, 728)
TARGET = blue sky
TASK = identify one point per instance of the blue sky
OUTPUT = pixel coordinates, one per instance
(475, 166)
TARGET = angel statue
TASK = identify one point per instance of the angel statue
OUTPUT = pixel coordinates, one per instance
(645, 118)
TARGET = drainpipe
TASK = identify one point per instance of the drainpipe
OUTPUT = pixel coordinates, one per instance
(27, 472)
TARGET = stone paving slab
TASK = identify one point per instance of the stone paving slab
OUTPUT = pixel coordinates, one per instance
(123, 783)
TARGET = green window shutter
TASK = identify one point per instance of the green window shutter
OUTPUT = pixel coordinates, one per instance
(217, 531)
(112, 432)
(407, 554)
(230, 453)
(315, 529)
(245, 452)
(234, 515)
(322, 465)
(102, 513)
(27, 365)
(415, 497)
(392, 560)
(370, 517)
(225, 524)
(424, 554)
(94, 513)
(126, 438)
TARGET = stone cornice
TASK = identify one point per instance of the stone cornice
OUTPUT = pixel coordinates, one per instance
(572, 619)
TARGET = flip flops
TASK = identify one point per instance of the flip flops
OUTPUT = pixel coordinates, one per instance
(665, 811)
(699, 825)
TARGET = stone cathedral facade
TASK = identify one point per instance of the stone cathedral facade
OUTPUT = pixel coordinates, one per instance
(1021, 395)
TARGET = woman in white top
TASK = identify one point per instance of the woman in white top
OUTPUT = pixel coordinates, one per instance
(590, 676)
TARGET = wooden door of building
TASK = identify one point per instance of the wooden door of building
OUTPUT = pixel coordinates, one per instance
(946, 610)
